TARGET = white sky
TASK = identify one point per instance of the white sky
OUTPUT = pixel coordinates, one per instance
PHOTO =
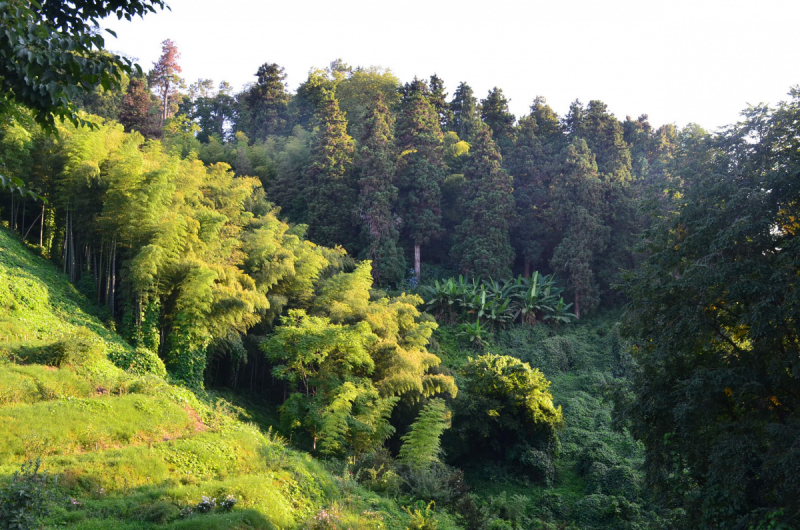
(679, 61)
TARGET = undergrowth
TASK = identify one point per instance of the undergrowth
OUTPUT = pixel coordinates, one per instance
(598, 482)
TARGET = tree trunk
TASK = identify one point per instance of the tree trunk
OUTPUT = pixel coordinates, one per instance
(71, 249)
(578, 306)
(29, 231)
(22, 226)
(95, 276)
(64, 249)
(41, 229)
(113, 276)
(108, 274)
(417, 262)
(527, 272)
(100, 274)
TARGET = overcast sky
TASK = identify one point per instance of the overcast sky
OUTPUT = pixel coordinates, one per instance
(678, 61)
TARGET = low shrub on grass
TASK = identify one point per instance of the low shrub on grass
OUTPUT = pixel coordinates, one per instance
(25, 501)
(140, 361)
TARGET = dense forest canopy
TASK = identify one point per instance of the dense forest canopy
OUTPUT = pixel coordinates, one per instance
(288, 243)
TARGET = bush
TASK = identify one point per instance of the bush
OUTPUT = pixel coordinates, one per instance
(139, 362)
(504, 411)
(376, 472)
(79, 349)
(595, 452)
(552, 505)
(422, 518)
(228, 503)
(511, 508)
(620, 480)
(206, 505)
(602, 511)
(160, 512)
(537, 464)
(438, 483)
(326, 518)
(25, 501)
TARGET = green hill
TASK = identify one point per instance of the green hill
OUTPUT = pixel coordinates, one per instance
(129, 450)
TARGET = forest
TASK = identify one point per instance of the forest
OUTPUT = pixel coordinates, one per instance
(363, 302)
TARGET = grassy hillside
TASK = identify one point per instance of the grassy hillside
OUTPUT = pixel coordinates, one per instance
(38, 304)
(130, 450)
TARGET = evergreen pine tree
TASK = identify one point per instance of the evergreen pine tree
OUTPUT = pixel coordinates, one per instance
(532, 161)
(267, 103)
(604, 135)
(379, 195)
(483, 245)
(438, 99)
(495, 114)
(331, 194)
(577, 213)
(466, 114)
(420, 170)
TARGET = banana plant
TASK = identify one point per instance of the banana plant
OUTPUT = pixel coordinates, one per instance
(496, 303)
(498, 313)
(473, 301)
(476, 333)
(535, 299)
(561, 313)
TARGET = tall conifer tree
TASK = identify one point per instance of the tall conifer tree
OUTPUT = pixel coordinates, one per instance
(330, 190)
(439, 101)
(577, 213)
(495, 114)
(466, 114)
(420, 170)
(267, 103)
(604, 135)
(533, 161)
(379, 195)
(483, 245)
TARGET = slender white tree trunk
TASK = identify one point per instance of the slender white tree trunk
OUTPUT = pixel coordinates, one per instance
(417, 262)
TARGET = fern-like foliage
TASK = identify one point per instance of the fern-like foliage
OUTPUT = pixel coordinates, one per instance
(422, 444)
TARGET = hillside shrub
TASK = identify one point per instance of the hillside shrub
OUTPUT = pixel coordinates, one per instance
(26, 499)
(438, 483)
(80, 348)
(603, 511)
(422, 518)
(158, 512)
(505, 413)
(140, 361)
(376, 472)
(596, 452)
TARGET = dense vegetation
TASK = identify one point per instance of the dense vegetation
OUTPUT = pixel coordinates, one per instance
(361, 304)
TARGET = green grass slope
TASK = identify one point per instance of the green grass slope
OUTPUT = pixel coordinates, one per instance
(129, 451)
(38, 304)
